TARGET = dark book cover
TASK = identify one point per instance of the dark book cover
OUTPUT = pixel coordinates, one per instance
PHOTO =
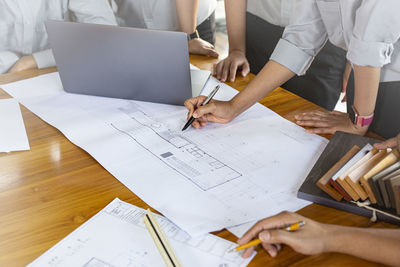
(334, 151)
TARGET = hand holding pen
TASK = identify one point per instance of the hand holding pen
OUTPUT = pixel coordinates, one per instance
(308, 239)
(213, 111)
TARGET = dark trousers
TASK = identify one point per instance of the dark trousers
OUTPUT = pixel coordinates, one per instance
(323, 81)
(207, 29)
(386, 121)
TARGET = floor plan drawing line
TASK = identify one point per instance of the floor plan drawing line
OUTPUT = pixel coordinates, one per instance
(177, 152)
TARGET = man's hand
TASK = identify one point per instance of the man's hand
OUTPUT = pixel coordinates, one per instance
(231, 65)
(200, 47)
(24, 63)
(324, 122)
(390, 143)
(310, 239)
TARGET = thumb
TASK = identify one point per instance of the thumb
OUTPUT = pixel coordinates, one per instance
(203, 110)
(388, 143)
(274, 237)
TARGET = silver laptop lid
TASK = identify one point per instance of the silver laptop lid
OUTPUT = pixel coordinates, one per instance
(130, 63)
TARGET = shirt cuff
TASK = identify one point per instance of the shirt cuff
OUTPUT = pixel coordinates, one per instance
(374, 54)
(292, 57)
(44, 59)
(7, 60)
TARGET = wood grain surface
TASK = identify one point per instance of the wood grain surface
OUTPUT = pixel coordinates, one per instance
(49, 191)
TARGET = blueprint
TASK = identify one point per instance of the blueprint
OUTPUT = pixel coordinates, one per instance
(203, 180)
(117, 237)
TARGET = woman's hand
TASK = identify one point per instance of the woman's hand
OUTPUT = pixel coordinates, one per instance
(310, 239)
(24, 63)
(390, 143)
(231, 65)
(324, 122)
(214, 111)
(200, 47)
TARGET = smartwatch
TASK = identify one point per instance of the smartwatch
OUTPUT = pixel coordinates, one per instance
(193, 35)
(360, 120)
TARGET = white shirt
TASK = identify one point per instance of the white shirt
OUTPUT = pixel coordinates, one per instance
(156, 14)
(368, 29)
(23, 32)
(276, 12)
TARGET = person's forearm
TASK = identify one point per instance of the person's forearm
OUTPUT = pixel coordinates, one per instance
(378, 245)
(236, 24)
(366, 81)
(270, 77)
(187, 15)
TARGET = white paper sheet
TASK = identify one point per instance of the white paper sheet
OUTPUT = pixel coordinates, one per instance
(203, 180)
(12, 129)
(199, 78)
(117, 237)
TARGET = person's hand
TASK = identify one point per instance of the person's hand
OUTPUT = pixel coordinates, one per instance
(390, 143)
(227, 68)
(345, 80)
(214, 111)
(324, 122)
(310, 239)
(200, 47)
(24, 63)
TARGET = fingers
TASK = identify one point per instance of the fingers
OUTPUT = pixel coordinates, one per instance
(314, 123)
(219, 68)
(232, 71)
(192, 103)
(390, 143)
(245, 68)
(330, 130)
(203, 110)
(210, 52)
(276, 221)
(225, 71)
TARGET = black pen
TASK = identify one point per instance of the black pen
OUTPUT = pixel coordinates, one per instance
(209, 97)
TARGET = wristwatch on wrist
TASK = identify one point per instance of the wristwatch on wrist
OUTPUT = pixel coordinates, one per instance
(193, 35)
(360, 120)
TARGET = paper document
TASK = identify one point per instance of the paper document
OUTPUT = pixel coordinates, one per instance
(203, 180)
(117, 237)
(199, 79)
(12, 129)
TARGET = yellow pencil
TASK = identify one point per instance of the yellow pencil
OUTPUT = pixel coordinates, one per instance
(255, 242)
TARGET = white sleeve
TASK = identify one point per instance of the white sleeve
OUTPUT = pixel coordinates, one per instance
(92, 11)
(302, 39)
(376, 29)
(7, 60)
(44, 59)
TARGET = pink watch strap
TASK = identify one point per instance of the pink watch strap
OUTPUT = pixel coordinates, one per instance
(364, 120)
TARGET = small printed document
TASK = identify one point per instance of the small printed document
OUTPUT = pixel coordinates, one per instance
(117, 236)
(203, 180)
(12, 129)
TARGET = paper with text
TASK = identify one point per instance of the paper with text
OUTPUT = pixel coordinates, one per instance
(203, 180)
(117, 237)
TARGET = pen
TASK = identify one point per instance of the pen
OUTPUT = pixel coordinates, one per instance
(209, 97)
(255, 242)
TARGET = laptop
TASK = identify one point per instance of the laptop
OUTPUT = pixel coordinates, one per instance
(119, 62)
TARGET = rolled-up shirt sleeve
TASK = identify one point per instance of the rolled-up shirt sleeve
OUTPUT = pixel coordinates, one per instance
(302, 39)
(44, 59)
(376, 29)
(7, 60)
(92, 11)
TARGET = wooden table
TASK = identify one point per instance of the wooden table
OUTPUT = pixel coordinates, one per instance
(47, 192)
